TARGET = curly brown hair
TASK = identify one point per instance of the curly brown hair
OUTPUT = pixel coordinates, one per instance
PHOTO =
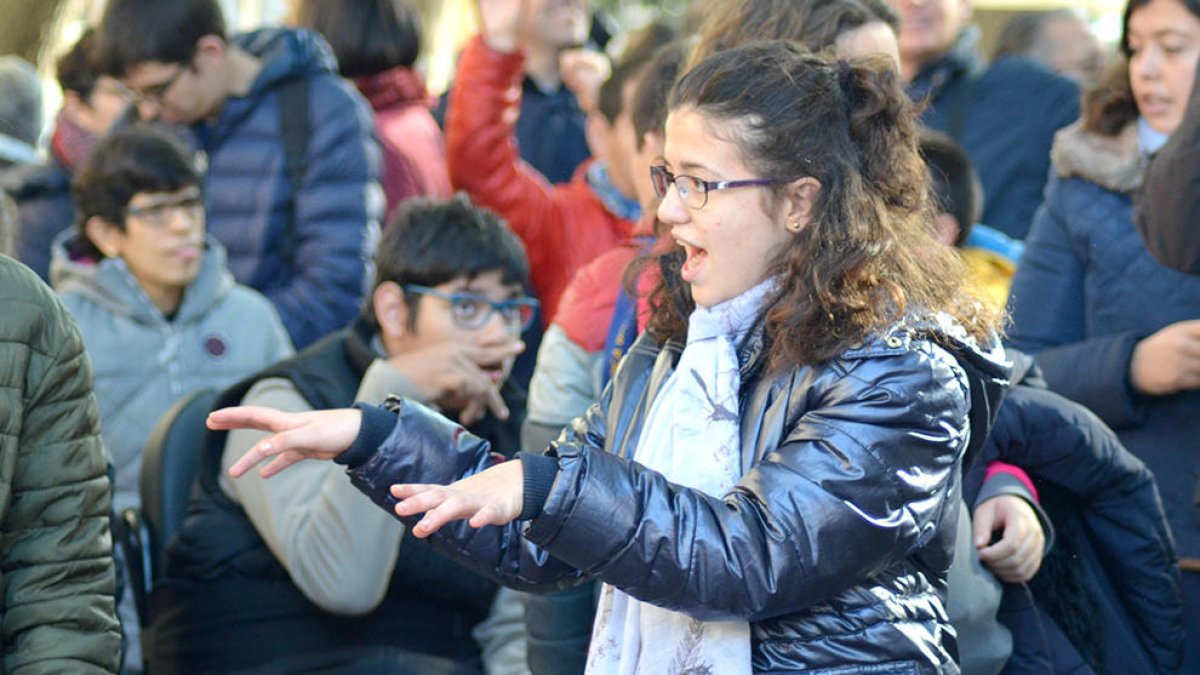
(867, 258)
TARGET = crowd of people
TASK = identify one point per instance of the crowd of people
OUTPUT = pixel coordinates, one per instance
(782, 336)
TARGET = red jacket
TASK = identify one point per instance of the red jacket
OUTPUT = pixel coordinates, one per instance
(563, 226)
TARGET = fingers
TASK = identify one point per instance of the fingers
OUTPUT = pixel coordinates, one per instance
(983, 522)
(260, 451)
(439, 504)
(250, 417)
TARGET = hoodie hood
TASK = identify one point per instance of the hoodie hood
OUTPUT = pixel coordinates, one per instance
(1113, 162)
(286, 54)
(110, 285)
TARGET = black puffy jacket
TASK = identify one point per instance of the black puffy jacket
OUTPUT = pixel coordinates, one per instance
(834, 545)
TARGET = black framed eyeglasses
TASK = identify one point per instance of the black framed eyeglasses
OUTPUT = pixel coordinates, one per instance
(158, 212)
(155, 92)
(693, 192)
(470, 311)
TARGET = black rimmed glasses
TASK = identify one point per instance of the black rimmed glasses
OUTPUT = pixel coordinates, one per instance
(693, 192)
(158, 212)
(155, 92)
(470, 311)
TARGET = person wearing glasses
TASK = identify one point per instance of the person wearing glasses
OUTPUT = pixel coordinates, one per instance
(771, 481)
(292, 183)
(160, 314)
(306, 574)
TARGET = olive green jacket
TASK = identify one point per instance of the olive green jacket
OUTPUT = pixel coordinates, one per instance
(56, 567)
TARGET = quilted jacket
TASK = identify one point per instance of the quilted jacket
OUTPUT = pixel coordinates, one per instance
(56, 566)
(1086, 291)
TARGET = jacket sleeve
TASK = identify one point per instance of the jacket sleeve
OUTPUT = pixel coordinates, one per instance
(1063, 445)
(1168, 204)
(59, 612)
(337, 216)
(862, 481)
(1047, 304)
(482, 156)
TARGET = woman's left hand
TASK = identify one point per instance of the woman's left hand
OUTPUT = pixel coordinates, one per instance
(491, 497)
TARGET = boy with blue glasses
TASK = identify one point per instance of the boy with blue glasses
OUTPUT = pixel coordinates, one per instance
(309, 567)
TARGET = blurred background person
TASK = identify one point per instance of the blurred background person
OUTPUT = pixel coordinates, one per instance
(1109, 326)
(376, 43)
(1004, 114)
(550, 125)
(160, 314)
(20, 111)
(92, 104)
(1058, 39)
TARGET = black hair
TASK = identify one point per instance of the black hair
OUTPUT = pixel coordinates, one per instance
(954, 185)
(431, 242)
(642, 47)
(127, 162)
(133, 32)
(76, 69)
(367, 36)
(648, 109)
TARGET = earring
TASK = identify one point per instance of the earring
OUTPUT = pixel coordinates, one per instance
(795, 226)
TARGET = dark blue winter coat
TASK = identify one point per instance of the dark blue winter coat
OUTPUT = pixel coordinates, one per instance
(1012, 110)
(335, 218)
(1110, 580)
(1087, 291)
(42, 193)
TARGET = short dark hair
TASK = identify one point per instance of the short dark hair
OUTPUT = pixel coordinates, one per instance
(127, 162)
(642, 46)
(367, 36)
(649, 107)
(76, 69)
(431, 242)
(133, 32)
(954, 185)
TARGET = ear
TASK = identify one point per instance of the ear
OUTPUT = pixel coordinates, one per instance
(391, 310)
(801, 202)
(946, 228)
(211, 47)
(104, 235)
(597, 130)
(652, 144)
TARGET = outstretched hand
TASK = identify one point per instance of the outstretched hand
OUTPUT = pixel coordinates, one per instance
(491, 497)
(1017, 555)
(318, 434)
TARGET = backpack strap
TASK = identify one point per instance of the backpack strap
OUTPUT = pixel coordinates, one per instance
(293, 131)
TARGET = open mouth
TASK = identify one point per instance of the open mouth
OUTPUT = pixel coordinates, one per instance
(495, 372)
(695, 258)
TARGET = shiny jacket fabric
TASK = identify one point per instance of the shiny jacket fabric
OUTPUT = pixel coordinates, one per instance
(834, 545)
(563, 226)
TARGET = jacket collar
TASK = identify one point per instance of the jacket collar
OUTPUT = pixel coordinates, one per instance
(1112, 162)
(962, 59)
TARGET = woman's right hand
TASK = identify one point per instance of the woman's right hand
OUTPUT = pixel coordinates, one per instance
(1168, 361)
(318, 434)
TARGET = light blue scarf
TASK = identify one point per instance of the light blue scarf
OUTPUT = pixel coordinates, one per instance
(692, 436)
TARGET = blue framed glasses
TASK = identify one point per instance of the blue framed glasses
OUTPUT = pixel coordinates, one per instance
(470, 311)
(693, 192)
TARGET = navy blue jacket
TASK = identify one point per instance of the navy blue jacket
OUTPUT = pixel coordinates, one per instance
(1086, 291)
(42, 193)
(834, 545)
(1110, 581)
(335, 218)
(1015, 106)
